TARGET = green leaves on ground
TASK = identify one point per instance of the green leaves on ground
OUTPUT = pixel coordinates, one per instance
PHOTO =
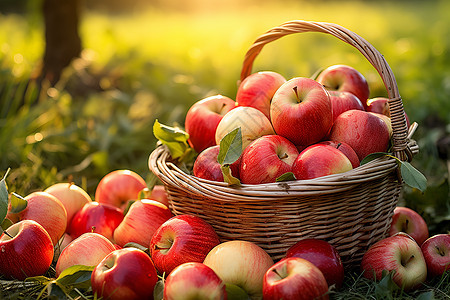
(230, 151)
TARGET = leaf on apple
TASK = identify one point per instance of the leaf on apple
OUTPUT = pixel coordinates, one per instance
(289, 176)
(3, 198)
(158, 290)
(18, 203)
(230, 151)
(228, 177)
(235, 292)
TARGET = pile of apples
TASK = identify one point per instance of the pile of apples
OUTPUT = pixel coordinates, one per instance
(309, 127)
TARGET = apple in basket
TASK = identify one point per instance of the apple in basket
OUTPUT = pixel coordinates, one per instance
(253, 124)
(346, 149)
(409, 221)
(399, 254)
(181, 239)
(118, 187)
(240, 263)
(26, 250)
(206, 165)
(194, 280)
(257, 90)
(266, 159)
(345, 79)
(202, 119)
(294, 278)
(126, 273)
(436, 251)
(343, 101)
(301, 111)
(380, 105)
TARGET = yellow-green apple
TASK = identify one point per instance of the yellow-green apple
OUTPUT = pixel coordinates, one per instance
(202, 119)
(323, 255)
(206, 165)
(159, 194)
(257, 90)
(409, 221)
(194, 280)
(320, 160)
(436, 251)
(118, 187)
(294, 278)
(181, 239)
(399, 254)
(127, 273)
(266, 159)
(380, 105)
(253, 124)
(88, 250)
(345, 78)
(343, 101)
(141, 222)
(48, 211)
(96, 217)
(346, 149)
(71, 196)
(240, 263)
(363, 131)
(26, 250)
(301, 111)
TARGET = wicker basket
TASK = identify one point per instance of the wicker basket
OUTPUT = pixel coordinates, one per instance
(351, 211)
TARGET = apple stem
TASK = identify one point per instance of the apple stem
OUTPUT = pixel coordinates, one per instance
(285, 155)
(338, 145)
(92, 229)
(408, 261)
(6, 232)
(296, 94)
(440, 251)
(276, 272)
(405, 226)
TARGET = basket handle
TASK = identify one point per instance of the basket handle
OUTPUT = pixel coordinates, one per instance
(400, 146)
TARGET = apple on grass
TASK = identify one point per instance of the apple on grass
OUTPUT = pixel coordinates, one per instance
(436, 251)
(345, 78)
(320, 160)
(346, 149)
(26, 250)
(266, 159)
(399, 254)
(301, 111)
(96, 217)
(253, 124)
(409, 221)
(118, 187)
(181, 239)
(343, 101)
(257, 90)
(207, 167)
(194, 280)
(240, 263)
(88, 250)
(71, 196)
(294, 278)
(202, 119)
(127, 273)
(323, 255)
(140, 223)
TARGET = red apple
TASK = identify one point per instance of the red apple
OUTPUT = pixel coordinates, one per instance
(194, 280)
(181, 239)
(362, 131)
(343, 101)
(266, 159)
(301, 111)
(294, 278)
(253, 124)
(127, 273)
(206, 165)
(399, 254)
(346, 149)
(436, 251)
(320, 160)
(140, 223)
(386, 120)
(409, 221)
(380, 105)
(240, 263)
(96, 217)
(28, 252)
(344, 78)
(159, 194)
(258, 89)
(71, 196)
(323, 255)
(202, 119)
(88, 249)
(118, 187)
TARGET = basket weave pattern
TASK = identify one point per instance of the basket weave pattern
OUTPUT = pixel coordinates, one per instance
(352, 210)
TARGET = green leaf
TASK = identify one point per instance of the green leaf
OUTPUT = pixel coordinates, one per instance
(413, 177)
(3, 198)
(230, 147)
(228, 177)
(372, 156)
(158, 291)
(386, 287)
(235, 292)
(137, 246)
(40, 279)
(18, 203)
(76, 276)
(426, 296)
(289, 176)
(5, 225)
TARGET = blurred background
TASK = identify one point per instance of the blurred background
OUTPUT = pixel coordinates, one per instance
(82, 82)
